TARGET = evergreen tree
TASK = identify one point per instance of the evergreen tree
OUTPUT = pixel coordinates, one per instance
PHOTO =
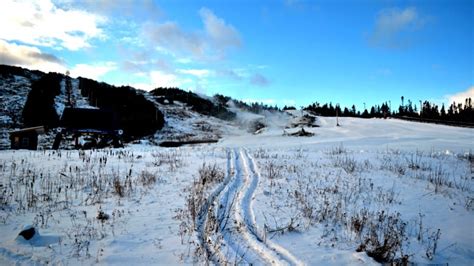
(443, 112)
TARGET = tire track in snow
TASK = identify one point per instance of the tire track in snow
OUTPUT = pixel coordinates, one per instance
(237, 231)
(246, 231)
(282, 252)
(208, 242)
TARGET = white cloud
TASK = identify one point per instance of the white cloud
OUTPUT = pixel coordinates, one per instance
(128, 8)
(94, 71)
(222, 34)
(141, 66)
(390, 23)
(33, 58)
(41, 23)
(162, 79)
(159, 78)
(200, 73)
(184, 61)
(212, 42)
(29, 57)
(169, 38)
(142, 86)
(461, 97)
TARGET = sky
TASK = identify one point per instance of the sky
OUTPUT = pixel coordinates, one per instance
(288, 52)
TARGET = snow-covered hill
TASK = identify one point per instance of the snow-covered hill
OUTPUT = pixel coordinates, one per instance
(375, 133)
(331, 199)
(182, 121)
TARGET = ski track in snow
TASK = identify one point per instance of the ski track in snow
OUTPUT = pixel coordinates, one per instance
(203, 218)
(282, 252)
(237, 225)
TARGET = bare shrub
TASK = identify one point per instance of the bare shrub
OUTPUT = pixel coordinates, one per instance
(170, 158)
(432, 244)
(118, 187)
(210, 174)
(439, 178)
(391, 163)
(199, 206)
(382, 235)
(147, 179)
(338, 150)
(414, 161)
(348, 163)
(273, 170)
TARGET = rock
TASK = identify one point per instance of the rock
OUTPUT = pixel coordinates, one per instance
(302, 133)
(28, 232)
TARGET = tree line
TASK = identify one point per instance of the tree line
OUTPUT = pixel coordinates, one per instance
(455, 112)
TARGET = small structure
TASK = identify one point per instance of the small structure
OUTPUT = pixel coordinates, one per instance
(99, 127)
(26, 138)
(306, 120)
(299, 133)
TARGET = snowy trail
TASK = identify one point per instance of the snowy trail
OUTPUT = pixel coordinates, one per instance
(282, 252)
(208, 209)
(237, 220)
(237, 237)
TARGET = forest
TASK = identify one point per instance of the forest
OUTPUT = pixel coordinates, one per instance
(456, 112)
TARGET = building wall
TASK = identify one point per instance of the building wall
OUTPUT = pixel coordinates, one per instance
(26, 140)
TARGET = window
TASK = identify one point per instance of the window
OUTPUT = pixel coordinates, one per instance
(25, 142)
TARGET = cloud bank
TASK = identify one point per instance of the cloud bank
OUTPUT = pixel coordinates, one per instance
(461, 97)
(41, 23)
(29, 57)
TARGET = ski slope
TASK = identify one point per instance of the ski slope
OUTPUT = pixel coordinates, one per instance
(373, 133)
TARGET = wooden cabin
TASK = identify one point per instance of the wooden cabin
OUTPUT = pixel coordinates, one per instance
(26, 138)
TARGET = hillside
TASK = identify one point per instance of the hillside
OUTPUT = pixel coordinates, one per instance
(33, 98)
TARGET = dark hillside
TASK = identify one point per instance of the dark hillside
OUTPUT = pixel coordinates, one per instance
(197, 103)
(8, 71)
(137, 116)
(15, 84)
(39, 107)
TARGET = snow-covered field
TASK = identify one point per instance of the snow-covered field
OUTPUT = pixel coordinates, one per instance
(390, 189)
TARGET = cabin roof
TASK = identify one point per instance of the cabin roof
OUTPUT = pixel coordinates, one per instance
(38, 130)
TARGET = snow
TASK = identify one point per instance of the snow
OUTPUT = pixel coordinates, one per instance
(60, 101)
(13, 94)
(282, 200)
(183, 124)
(381, 134)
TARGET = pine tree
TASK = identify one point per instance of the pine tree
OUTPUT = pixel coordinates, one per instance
(443, 112)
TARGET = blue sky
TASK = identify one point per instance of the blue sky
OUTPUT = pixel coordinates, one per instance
(290, 52)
